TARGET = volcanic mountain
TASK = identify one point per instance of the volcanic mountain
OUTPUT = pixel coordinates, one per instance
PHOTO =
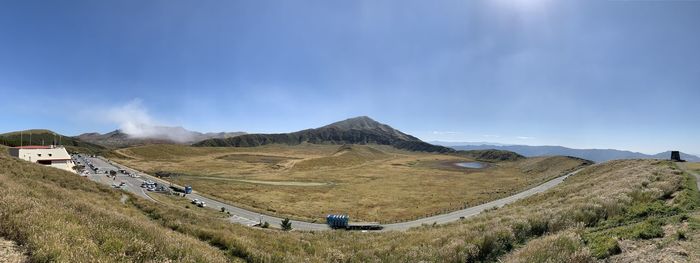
(156, 134)
(358, 130)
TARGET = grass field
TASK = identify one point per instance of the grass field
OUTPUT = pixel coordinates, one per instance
(374, 183)
(621, 211)
(693, 166)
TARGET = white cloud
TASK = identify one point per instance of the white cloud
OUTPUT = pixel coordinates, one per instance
(524, 138)
(133, 119)
(491, 136)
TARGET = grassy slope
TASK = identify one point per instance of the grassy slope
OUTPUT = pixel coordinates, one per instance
(556, 226)
(374, 183)
(52, 213)
(59, 216)
(490, 155)
(71, 144)
(693, 166)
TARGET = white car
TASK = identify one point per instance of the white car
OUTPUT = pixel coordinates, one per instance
(201, 204)
(195, 201)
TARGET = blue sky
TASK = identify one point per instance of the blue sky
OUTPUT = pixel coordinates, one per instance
(586, 74)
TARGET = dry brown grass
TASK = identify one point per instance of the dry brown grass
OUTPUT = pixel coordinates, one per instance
(693, 166)
(567, 246)
(52, 213)
(60, 217)
(375, 183)
(552, 222)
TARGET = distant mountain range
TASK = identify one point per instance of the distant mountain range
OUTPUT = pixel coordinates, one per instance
(157, 134)
(597, 155)
(358, 130)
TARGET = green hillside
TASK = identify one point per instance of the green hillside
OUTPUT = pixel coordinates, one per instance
(491, 155)
(47, 137)
(358, 130)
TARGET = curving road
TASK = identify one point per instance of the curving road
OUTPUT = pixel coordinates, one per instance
(475, 210)
(249, 218)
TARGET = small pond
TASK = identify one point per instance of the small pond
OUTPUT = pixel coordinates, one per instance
(473, 165)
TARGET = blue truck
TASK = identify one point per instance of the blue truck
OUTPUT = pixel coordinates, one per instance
(188, 189)
(343, 222)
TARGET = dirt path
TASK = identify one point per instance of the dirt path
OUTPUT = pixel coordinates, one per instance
(11, 253)
(684, 167)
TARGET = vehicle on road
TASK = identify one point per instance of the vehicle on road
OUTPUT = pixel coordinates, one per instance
(149, 184)
(201, 204)
(343, 222)
(195, 201)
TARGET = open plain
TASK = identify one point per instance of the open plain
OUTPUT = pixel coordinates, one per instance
(368, 182)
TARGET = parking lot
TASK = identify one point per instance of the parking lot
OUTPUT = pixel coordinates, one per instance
(99, 170)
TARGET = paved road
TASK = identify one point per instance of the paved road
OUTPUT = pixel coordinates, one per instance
(472, 211)
(239, 215)
(246, 217)
(133, 185)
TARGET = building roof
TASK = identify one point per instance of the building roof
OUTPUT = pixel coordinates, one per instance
(32, 147)
(43, 153)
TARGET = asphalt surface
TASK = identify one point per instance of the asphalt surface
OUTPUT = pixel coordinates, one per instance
(132, 185)
(238, 215)
(475, 210)
(249, 218)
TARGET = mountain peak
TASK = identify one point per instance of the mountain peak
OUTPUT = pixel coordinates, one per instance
(358, 123)
(357, 130)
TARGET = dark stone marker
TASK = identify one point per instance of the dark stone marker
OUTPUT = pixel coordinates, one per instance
(676, 156)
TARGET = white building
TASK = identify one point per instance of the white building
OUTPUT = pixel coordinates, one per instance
(54, 156)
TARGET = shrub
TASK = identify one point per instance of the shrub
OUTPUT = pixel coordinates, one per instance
(681, 235)
(603, 245)
(563, 247)
(521, 231)
(490, 245)
(588, 214)
(538, 226)
(286, 224)
(650, 228)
